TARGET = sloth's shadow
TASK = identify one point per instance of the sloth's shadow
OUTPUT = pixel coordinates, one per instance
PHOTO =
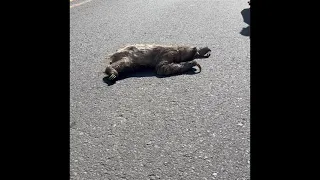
(145, 73)
(246, 18)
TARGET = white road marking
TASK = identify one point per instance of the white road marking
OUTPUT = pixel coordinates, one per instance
(74, 5)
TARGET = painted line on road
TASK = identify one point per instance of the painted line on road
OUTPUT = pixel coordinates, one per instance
(75, 5)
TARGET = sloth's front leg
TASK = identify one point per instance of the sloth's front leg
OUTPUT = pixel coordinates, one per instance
(113, 70)
(111, 73)
(168, 69)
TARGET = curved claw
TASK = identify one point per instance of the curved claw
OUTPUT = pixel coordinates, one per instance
(198, 65)
(203, 52)
(112, 77)
(208, 54)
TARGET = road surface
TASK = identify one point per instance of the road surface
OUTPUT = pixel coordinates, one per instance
(186, 127)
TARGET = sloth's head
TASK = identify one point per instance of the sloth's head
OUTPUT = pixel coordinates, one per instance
(187, 53)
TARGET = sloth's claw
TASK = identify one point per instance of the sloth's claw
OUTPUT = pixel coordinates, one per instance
(198, 65)
(112, 77)
(203, 52)
(207, 54)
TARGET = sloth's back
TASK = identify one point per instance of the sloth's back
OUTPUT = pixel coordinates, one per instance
(146, 54)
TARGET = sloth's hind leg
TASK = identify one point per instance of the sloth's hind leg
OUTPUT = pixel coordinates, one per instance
(168, 69)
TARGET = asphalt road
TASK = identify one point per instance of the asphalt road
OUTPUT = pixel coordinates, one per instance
(186, 127)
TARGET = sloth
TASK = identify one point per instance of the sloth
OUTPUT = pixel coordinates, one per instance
(166, 60)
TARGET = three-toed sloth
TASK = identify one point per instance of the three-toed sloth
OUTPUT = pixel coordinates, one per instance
(166, 60)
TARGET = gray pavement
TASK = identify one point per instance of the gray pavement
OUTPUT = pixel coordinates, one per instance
(180, 127)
